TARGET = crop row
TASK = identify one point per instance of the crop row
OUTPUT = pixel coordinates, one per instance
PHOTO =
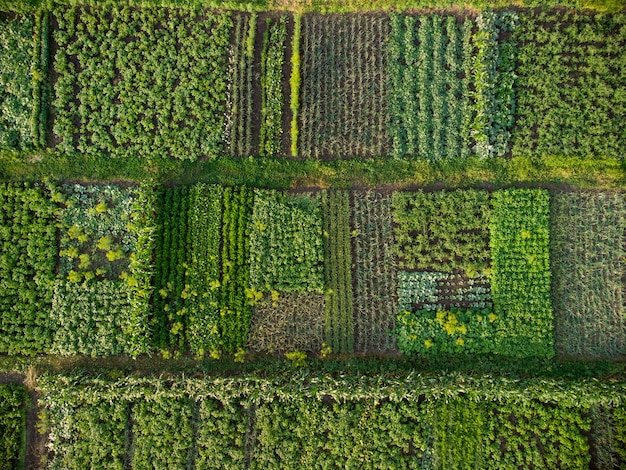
(325, 422)
(433, 87)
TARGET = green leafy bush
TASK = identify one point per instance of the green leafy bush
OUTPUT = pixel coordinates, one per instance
(27, 267)
(442, 231)
(221, 434)
(520, 282)
(147, 83)
(162, 433)
(569, 85)
(286, 247)
(13, 399)
(94, 438)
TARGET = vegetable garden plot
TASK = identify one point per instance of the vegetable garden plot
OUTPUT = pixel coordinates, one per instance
(343, 86)
(20, 79)
(27, 267)
(571, 95)
(239, 122)
(286, 322)
(100, 303)
(13, 399)
(587, 254)
(374, 274)
(500, 301)
(147, 83)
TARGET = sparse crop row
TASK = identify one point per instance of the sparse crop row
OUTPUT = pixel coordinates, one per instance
(147, 83)
(570, 86)
(238, 132)
(374, 272)
(13, 400)
(302, 422)
(343, 104)
(272, 98)
(588, 267)
(339, 320)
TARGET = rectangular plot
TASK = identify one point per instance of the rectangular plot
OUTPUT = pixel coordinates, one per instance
(343, 87)
(588, 269)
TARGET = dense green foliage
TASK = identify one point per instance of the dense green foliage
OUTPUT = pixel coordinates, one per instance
(442, 231)
(90, 318)
(429, 102)
(286, 248)
(301, 421)
(235, 277)
(294, 83)
(468, 331)
(493, 76)
(162, 431)
(19, 83)
(339, 317)
(286, 322)
(374, 272)
(96, 242)
(13, 399)
(170, 264)
(27, 265)
(587, 252)
(202, 278)
(520, 282)
(89, 436)
(272, 98)
(570, 85)
(344, 85)
(140, 82)
(238, 132)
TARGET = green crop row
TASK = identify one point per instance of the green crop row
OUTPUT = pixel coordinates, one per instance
(238, 132)
(27, 267)
(312, 422)
(13, 402)
(272, 98)
(339, 317)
